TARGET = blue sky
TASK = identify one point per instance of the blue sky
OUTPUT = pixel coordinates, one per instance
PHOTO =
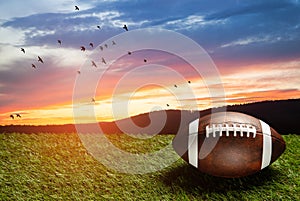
(247, 29)
(257, 41)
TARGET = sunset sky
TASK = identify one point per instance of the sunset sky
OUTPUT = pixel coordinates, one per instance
(254, 45)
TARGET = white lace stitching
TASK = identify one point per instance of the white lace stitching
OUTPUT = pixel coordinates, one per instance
(220, 129)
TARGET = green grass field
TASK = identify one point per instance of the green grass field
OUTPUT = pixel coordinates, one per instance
(57, 167)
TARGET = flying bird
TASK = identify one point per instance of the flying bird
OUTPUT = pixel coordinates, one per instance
(113, 42)
(92, 45)
(103, 60)
(23, 50)
(98, 27)
(18, 115)
(12, 116)
(145, 60)
(82, 48)
(94, 64)
(40, 59)
(125, 27)
(76, 8)
(33, 66)
(59, 42)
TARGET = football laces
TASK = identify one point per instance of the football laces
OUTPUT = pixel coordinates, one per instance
(225, 129)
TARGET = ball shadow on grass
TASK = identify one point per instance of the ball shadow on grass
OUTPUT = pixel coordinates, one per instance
(190, 180)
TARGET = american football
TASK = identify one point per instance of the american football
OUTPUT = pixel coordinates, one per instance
(229, 144)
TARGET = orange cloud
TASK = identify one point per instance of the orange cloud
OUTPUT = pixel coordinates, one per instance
(47, 98)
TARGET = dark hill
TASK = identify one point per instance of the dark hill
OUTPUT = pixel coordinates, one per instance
(282, 115)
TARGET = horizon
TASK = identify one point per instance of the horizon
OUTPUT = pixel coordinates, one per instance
(233, 105)
(252, 45)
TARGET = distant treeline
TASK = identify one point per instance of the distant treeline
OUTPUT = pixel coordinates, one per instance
(283, 116)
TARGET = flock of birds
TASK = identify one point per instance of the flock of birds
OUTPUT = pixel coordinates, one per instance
(13, 115)
(82, 48)
(39, 59)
